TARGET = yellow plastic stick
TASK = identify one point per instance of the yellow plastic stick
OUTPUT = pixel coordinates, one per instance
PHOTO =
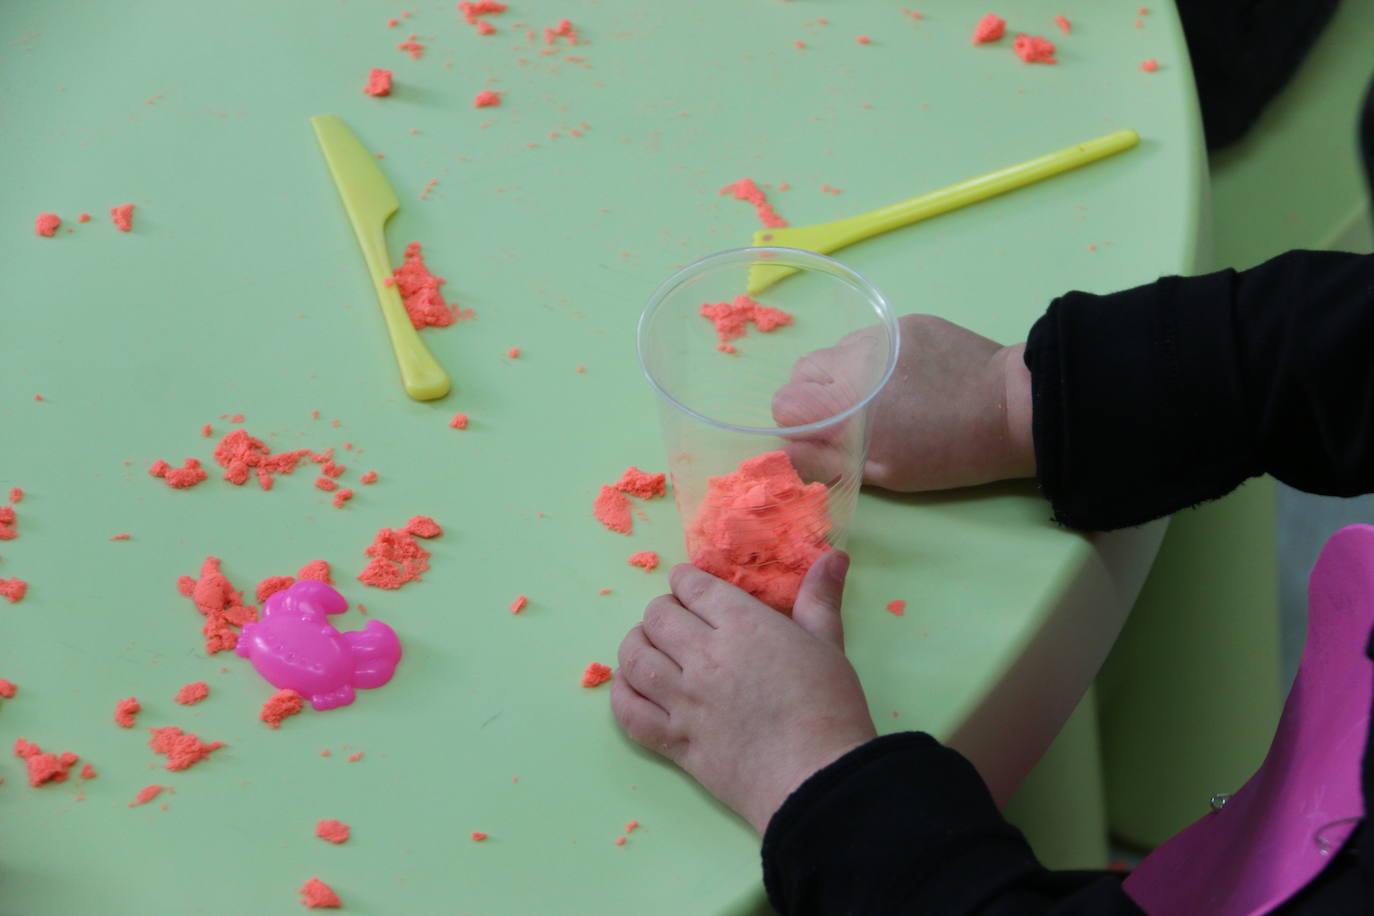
(827, 237)
(370, 202)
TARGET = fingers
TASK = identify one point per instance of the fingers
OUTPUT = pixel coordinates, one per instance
(713, 600)
(815, 390)
(818, 601)
(672, 629)
(652, 674)
(643, 720)
(803, 401)
(819, 459)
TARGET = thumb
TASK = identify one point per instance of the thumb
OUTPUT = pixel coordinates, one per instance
(818, 601)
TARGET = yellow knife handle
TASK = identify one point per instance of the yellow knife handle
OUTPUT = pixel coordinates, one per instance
(971, 191)
(424, 379)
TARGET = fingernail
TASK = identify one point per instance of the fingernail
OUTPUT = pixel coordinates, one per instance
(839, 566)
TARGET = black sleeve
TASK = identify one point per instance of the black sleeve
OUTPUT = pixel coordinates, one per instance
(906, 825)
(1170, 394)
(1243, 53)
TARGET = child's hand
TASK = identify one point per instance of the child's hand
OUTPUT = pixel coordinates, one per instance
(956, 412)
(746, 700)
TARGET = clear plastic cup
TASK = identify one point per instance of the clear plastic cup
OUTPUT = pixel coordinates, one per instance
(766, 432)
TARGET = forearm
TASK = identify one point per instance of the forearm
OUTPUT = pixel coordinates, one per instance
(905, 825)
(1173, 393)
(1015, 379)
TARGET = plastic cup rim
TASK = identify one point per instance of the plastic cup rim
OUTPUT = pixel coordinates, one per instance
(788, 257)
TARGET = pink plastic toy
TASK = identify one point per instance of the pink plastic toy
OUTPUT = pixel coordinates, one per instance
(295, 646)
(1278, 831)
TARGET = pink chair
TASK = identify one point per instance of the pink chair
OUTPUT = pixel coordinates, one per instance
(1280, 829)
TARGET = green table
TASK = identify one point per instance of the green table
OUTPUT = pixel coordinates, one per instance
(240, 289)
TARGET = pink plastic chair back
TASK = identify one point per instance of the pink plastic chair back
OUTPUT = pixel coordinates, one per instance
(1281, 828)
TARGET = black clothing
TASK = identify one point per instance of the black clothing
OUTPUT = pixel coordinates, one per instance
(1243, 53)
(1144, 402)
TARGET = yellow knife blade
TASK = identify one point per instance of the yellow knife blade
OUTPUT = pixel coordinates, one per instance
(369, 201)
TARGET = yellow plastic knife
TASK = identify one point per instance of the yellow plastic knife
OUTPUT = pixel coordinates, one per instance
(824, 238)
(370, 202)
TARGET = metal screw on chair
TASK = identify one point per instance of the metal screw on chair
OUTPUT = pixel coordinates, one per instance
(1323, 844)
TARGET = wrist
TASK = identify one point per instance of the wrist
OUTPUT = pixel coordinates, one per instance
(1018, 439)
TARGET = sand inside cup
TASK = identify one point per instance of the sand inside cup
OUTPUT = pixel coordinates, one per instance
(761, 527)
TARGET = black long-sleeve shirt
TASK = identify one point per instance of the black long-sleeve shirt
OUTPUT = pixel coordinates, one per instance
(1144, 402)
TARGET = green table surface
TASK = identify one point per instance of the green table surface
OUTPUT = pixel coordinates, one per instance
(240, 289)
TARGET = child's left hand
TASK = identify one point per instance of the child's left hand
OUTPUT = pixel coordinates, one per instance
(746, 700)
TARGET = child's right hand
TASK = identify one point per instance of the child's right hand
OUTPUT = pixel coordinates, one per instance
(956, 412)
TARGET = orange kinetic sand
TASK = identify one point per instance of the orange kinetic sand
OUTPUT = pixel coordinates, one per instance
(486, 99)
(335, 832)
(125, 710)
(279, 706)
(422, 526)
(645, 558)
(596, 673)
(183, 750)
(1150, 66)
(16, 495)
(478, 836)
(123, 217)
(317, 895)
(88, 772)
(419, 291)
(84, 218)
(368, 477)
(188, 475)
(240, 454)
(990, 28)
(396, 556)
(612, 509)
(273, 584)
(471, 11)
(730, 319)
(641, 483)
(46, 224)
(13, 589)
(191, 694)
(411, 47)
(378, 82)
(146, 794)
(745, 189)
(43, 767)
(459, 421)
(1063, 24)
(564, 28)
(519, 604)
(760, 527)
(325, 484)
(8, 688)
(9, 529)
(1034, 50)
(220, 603)
(896, 607)
(342, 497)
(317, 570)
